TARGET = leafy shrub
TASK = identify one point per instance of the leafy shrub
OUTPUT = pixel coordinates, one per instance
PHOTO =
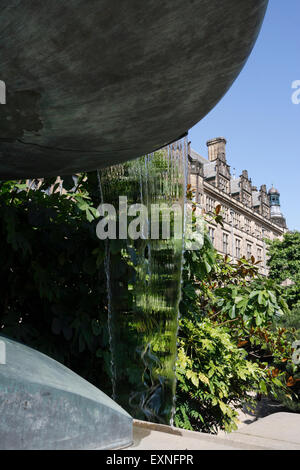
(234, 301)
(284, 264)
(291, 322)
(53, 296)
(214, 377)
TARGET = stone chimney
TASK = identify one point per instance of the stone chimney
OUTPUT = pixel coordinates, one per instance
(216, 148)
(263, 188)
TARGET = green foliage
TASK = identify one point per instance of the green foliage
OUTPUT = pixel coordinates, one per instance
(252, 309)
(214, 378)
(292, 323)
(256, 302)
(239, 304)
(53, 296)
(235, 332)
(284, 263)
(197, 267)
(54, 284)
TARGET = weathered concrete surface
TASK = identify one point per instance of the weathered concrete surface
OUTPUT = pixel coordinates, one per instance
(280, 431)
(94, 83)
(44, 405)
(148, 436)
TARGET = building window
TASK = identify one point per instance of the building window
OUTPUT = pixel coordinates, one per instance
(257, 231)
(225, 243)
(259, 254)
(265, 234)
(225, 214)
(212, 235)
(210, 204)
(247, 199)
(247, 224)
(237, 248)
(249, 250)
(237, 220)
(223, 184)
(266, 212)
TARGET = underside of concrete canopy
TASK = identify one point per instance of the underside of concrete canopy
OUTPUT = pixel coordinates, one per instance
(91, 84)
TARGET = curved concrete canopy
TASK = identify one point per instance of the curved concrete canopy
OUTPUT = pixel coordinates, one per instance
(90, 84)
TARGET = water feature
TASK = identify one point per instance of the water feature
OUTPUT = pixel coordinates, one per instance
(144, 284)
(109, 302)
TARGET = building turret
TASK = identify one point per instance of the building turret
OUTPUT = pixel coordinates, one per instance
(276, 214)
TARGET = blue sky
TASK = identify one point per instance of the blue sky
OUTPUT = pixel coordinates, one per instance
(257, 116)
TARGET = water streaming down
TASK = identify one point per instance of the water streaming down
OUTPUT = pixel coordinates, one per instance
(109, 302)
(184, 156)
(144, 284)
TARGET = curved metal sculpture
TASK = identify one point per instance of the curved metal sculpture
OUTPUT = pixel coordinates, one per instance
(91, 84)
(88, 85)
(44, 405)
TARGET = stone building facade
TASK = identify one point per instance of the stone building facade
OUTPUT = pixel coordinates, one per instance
(250, 215)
